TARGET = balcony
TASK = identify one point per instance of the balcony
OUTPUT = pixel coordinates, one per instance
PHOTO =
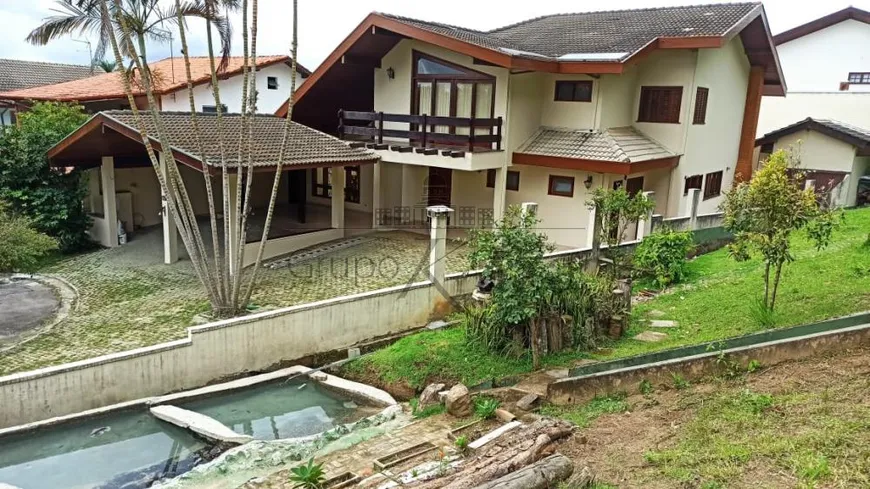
(461, 143)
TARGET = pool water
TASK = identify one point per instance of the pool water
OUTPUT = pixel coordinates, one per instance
(281, 410)
(127, 450)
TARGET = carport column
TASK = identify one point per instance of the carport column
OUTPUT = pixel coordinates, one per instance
(438, 214)
(498, 195)
(110, 210)
(644, 224)
(170, 231)
(337, 183)
(232, 247)
(377, 213)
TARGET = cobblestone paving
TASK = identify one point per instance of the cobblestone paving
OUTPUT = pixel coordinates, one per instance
(129, 299)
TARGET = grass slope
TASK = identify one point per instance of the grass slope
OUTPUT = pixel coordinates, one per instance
(715, 302)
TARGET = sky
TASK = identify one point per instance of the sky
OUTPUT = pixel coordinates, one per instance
(325, 23)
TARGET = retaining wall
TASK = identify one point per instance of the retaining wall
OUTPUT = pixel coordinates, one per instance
(223, 349)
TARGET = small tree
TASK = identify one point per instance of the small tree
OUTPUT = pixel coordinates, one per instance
(21, 246)
(763, 213)
(50, 198)
(616, 210)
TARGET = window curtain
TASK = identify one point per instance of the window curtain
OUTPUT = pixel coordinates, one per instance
(442, 103)
(463, 103)
(483, 105)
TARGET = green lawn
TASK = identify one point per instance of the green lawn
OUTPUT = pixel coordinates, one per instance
(715, 302)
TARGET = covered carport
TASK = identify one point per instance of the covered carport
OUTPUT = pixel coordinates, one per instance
(123, 184)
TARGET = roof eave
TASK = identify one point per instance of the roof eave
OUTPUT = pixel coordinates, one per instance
(597, 166)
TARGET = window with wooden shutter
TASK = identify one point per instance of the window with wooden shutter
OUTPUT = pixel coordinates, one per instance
(712, 185)
(700, 116)
(692, 182)
(660, 104)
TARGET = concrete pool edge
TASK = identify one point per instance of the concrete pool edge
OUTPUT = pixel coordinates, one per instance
(355, 390)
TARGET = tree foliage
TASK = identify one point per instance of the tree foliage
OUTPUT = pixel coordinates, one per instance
(662, 255)
(51, 198)
(763, 213)
(21, 246)
(616, 210)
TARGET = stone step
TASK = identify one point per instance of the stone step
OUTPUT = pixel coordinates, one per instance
(663, 323)
(651, 336)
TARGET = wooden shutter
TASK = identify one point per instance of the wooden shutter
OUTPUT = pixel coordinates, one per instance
(660, 104)
(713, 185)
(701, 96)
(692, 182)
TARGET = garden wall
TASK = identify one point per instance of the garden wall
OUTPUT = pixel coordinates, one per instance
(229, 348)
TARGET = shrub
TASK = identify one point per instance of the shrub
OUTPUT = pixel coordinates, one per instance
(484, 407)
(50, 198)
(461, 443)
(662, 254)
(308, 476)
(21, 246)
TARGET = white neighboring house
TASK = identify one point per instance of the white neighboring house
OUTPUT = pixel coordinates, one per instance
(106, 92)
(827, 65)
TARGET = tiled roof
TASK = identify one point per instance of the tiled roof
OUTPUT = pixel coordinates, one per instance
(306, 146)
(169, 74)
(848, 133)
(617, 32)
(16, 74)
(618, 144)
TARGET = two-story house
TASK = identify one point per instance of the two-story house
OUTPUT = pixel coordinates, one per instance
(16, 74)
(827, 108)
(545, 111)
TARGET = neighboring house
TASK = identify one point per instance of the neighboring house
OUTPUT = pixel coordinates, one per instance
(106, 91)
(834, 155)
(827, 65)
(16, 74)
(663, 100)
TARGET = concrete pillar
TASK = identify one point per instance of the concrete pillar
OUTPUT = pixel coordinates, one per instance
(590, 229)
(110, 208)
(337, 180)
(377, 206)
(499, 194)
(644, 225)
(170, 230)
(234, 224)
(693, 200)
(438, 215)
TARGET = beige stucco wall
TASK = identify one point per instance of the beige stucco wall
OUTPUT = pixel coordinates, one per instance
(821, 152)
(714, 145)
(577, 115)
(667, 68)
(524, 109)
(617, 99)
(145, 189)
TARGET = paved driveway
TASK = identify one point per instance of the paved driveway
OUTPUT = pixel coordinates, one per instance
(24, 305)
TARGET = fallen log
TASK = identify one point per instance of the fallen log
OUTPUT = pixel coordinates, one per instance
(510, 452)
(542, 474)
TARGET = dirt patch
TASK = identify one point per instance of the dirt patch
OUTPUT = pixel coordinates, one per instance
(818, 407)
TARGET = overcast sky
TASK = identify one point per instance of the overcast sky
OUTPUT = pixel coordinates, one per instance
(325, 23)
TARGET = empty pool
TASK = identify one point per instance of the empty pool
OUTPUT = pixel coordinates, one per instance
(281, 409)
(128, 450)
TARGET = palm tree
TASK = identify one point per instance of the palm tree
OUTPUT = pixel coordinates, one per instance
(106, 65)
(144, 19)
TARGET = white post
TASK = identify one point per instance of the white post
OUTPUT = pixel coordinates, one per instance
(644, 225)
(529, 208)
(233, 219)
(110, 208)
(170, 231)
(590, 229)
(377, 212)
(499, 194)
(694, 200)
(337, 182)
(809, 184)
(438, 214)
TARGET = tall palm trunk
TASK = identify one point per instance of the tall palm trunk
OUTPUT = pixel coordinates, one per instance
(281, 154)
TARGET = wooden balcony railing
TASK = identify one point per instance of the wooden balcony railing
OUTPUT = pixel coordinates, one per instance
(423, 131)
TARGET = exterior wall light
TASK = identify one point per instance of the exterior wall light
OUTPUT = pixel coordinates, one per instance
(588, 182)
(391, 73)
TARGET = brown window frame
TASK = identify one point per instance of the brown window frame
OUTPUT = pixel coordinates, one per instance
(863, 78)
(702, 96)
(551, 187)
(272, 82)
(511, 176)
(649, 111)
(352, 175)
(574, 84)
(711, 179)
(694, 181)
